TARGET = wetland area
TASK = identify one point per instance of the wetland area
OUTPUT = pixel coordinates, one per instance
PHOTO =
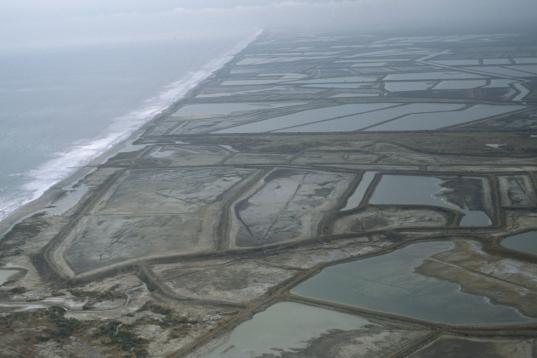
(364, 196)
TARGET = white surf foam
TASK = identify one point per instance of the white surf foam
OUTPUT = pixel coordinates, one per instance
(65, 163)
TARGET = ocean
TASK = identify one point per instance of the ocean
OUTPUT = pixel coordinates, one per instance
(63, 107)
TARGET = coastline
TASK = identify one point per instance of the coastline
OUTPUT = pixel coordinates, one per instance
(201, 225)
(175, 94)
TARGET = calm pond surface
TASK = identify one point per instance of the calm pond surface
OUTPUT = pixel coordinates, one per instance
(358, 195)
(343, 79)
(430, 121)
(424, 190)
(444, 75)
(390, 283)
(305, 117)
(5, 275)
(525, 242)
(359, 121)
(460, 84)
(283, 327)
(224, 109)
(402, 86)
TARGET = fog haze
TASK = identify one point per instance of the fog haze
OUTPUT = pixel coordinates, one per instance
(63, 22)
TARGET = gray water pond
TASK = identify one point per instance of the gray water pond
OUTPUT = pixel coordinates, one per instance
(358, 194)
(455, 193)
(283, 327)
(525, 242)
(390, 283)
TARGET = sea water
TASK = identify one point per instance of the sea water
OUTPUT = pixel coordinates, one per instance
(63, 107)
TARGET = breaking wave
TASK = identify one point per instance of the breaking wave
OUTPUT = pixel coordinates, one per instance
(66, 163)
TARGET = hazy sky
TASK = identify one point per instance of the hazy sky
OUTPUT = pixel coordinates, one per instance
(58, 22)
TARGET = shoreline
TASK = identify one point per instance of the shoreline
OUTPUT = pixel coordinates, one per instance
(57, 191)
(190, 233)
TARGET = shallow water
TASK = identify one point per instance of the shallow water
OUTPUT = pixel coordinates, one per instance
(248, 82)
(500, 82)
(525, 60)
(266, 60)
(457, 62)
(230, 92)
(355, 94)
(433, 121)
(337, 85)
(459, 84)
(496, 61)
(204, 110)
(409, 190)
(358, 195)
(366, 64)
(403, 86)
(5, 275)
(390, 283)
(360, 121)
(423, 190)
(445, 75)
(525, 242)
(526, 68)
(282, 327)
(475, 218)
(499, 71)
(305, 117)
(345, 79)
